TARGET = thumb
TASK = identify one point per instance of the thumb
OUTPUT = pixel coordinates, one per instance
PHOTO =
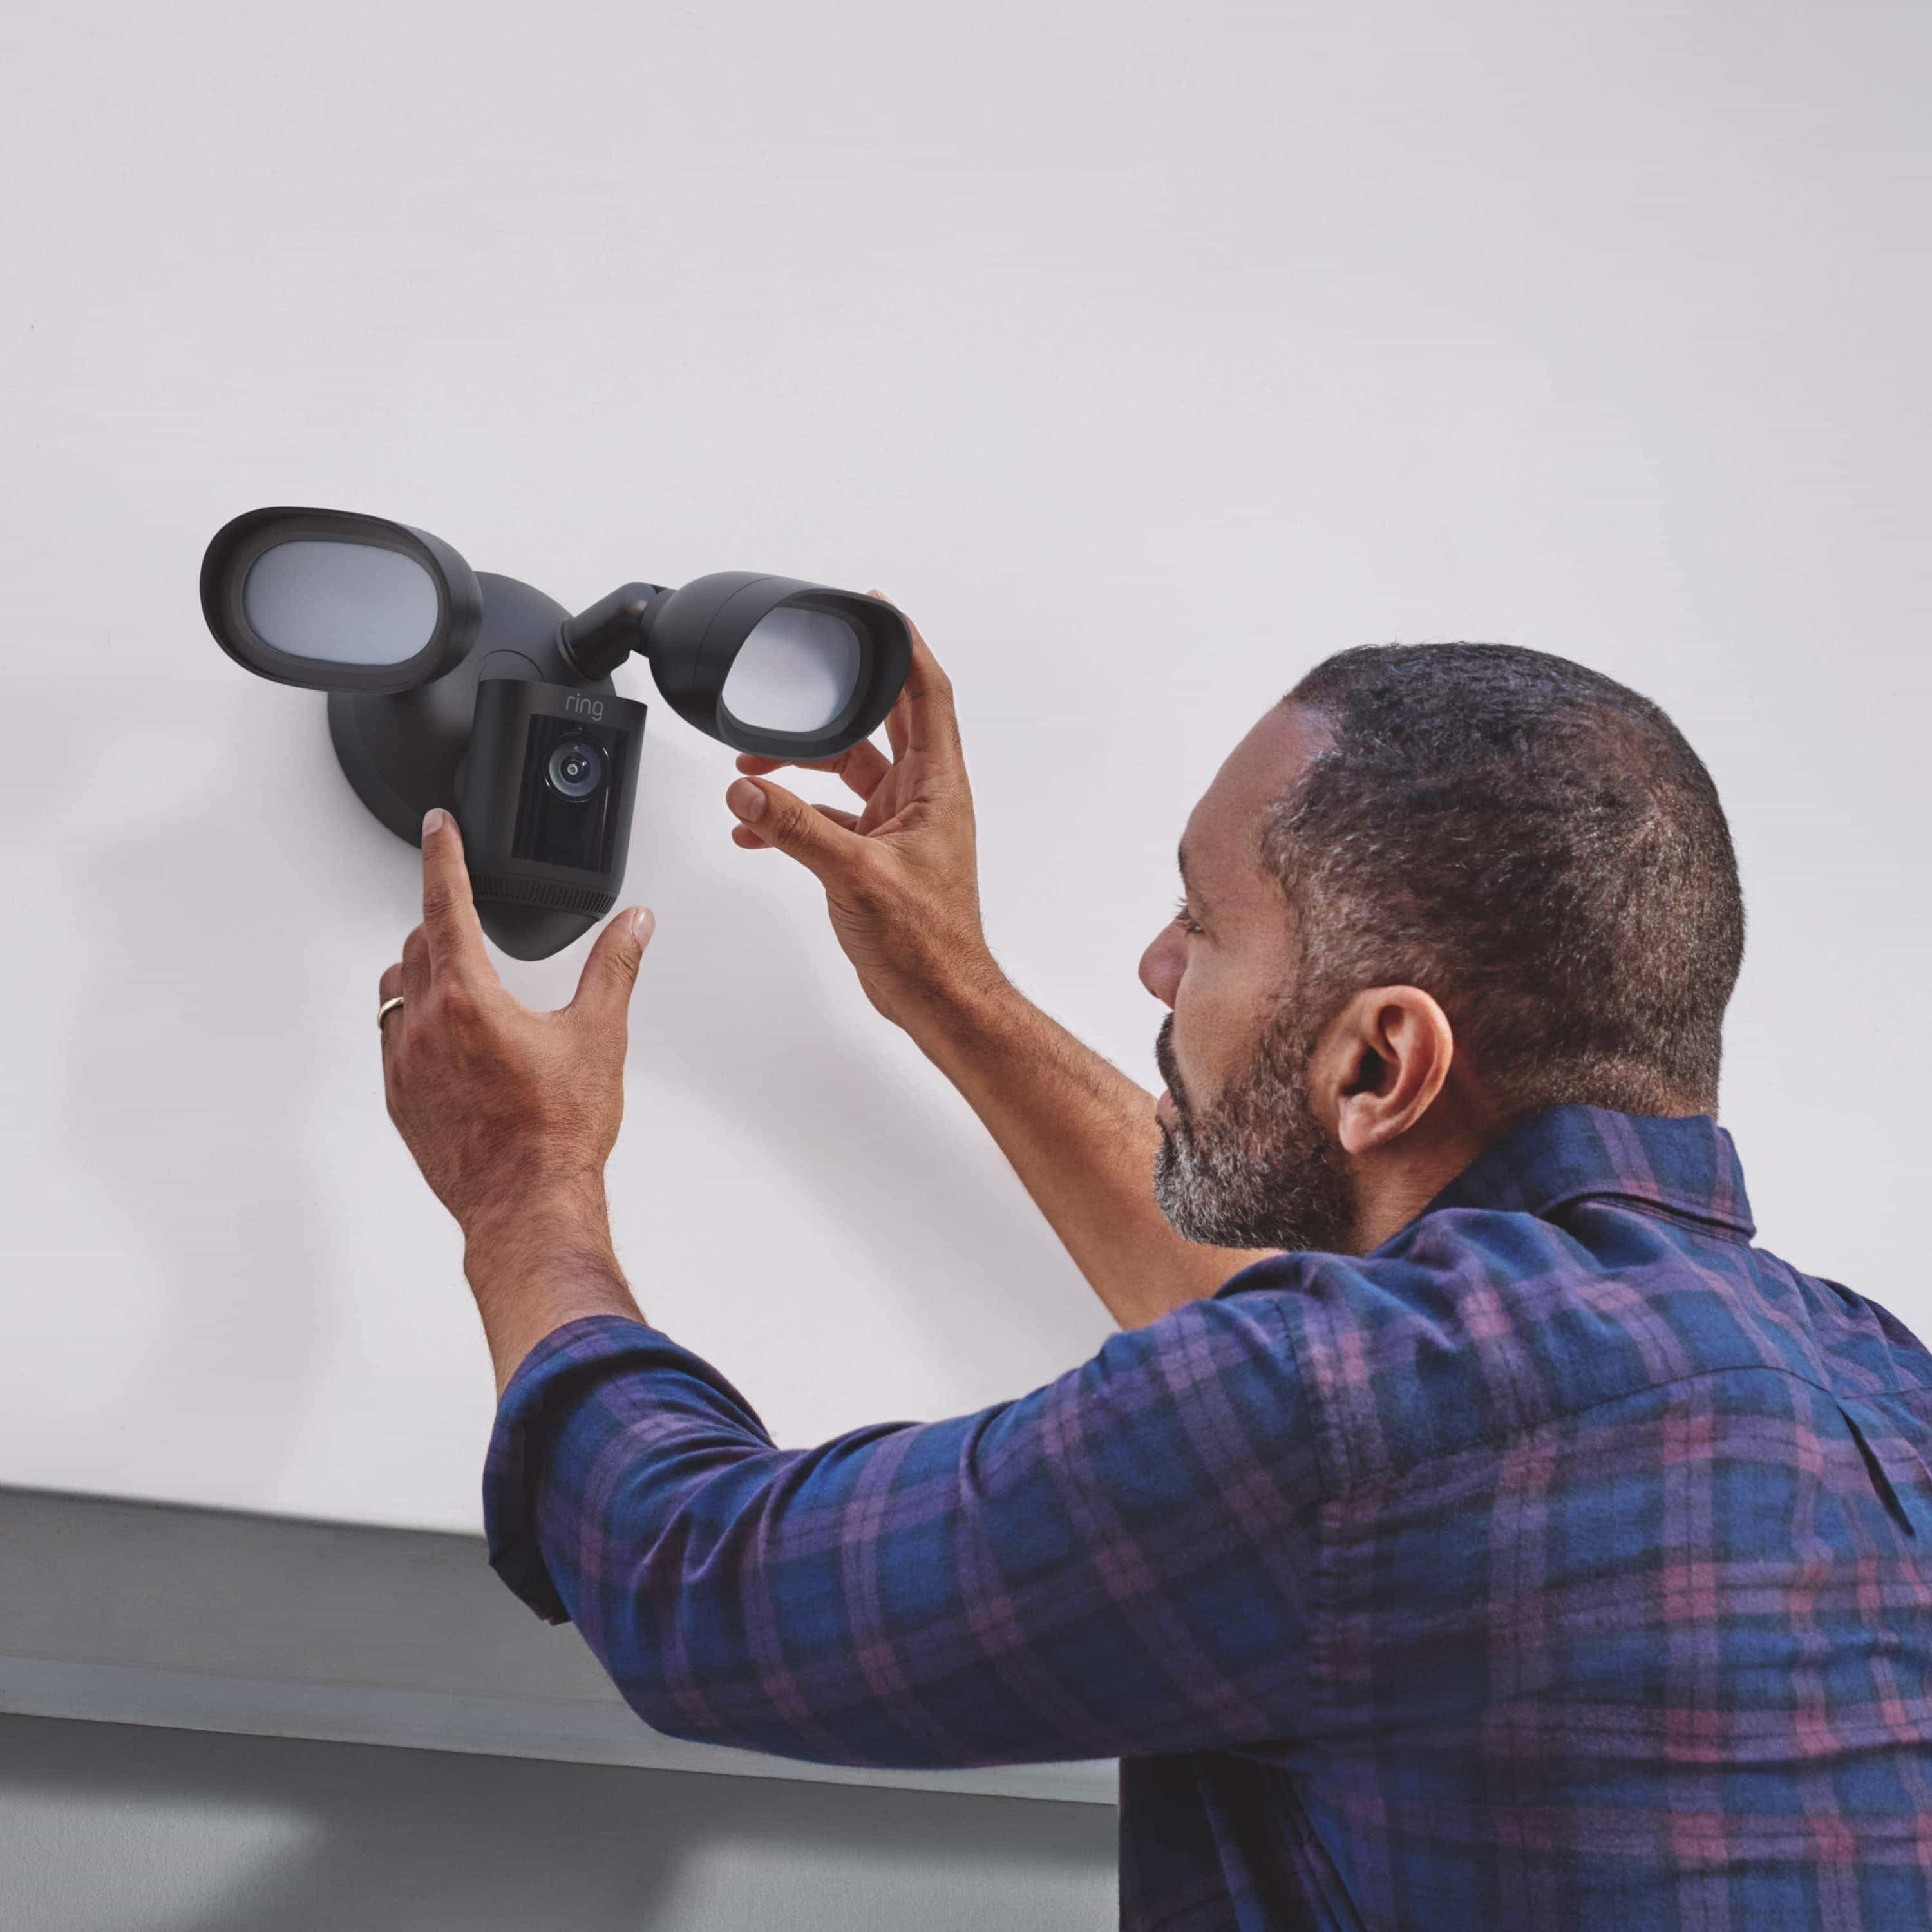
(604, 988)
(782, 818)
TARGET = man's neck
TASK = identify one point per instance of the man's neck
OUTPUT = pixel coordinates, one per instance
(1394, 1185)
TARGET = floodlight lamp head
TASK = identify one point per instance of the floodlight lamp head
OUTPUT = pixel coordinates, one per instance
(333, 601)
(776, 665)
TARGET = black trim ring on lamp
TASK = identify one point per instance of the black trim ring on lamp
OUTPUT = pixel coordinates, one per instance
(836, 664)
(357, 567)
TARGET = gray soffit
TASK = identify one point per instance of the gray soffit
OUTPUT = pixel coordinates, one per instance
(211, 1620)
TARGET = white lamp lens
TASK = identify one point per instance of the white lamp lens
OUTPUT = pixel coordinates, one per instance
(795, 672)
(340, 603)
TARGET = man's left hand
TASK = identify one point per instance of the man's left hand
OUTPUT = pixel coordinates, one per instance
(510, 1113)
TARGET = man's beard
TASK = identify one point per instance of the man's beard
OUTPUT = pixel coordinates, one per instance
(1261, 1171)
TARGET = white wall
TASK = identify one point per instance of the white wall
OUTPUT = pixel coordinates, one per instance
(1145, 354)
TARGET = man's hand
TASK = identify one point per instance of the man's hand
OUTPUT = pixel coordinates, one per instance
(511, 1114)
(900, 876)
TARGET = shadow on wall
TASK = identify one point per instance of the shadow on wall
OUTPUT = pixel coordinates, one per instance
(112, 1829)
(186, 1064)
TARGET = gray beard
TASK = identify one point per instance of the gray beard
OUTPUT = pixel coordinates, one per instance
(1261, 1172)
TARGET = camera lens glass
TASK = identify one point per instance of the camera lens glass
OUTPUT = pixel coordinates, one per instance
(576, 768)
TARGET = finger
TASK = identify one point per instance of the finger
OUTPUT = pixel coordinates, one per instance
(449, 913)
(922, 715)
(604, 988)
(779, 817)
(743, 835)
(416, 967)
(387, 988)
(932, 723)
(896, 731)
(862, 767)
(756, 764)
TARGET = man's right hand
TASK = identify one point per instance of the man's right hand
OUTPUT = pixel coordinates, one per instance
(901, 875)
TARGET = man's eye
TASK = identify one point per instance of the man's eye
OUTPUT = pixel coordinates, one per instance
(1186, 920)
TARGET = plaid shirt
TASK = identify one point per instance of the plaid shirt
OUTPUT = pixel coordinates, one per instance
(1565, 1563)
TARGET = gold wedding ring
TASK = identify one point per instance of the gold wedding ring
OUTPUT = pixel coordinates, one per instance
(383, 1012)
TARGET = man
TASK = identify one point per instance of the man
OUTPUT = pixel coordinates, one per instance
(1520, 1549)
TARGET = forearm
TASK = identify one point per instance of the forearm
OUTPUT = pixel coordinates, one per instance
(1082, 1138)
(833, 1603)
(535, 1262)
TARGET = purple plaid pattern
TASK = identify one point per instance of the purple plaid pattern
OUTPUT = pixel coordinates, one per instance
(1566, 1563)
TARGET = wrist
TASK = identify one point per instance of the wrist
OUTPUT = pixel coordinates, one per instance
(566, 1212)
(975, 1009)
(538, 1260)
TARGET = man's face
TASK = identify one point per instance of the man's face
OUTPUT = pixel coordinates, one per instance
(1245, 1160)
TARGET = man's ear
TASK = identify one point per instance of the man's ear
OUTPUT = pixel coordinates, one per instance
(1378, 1067)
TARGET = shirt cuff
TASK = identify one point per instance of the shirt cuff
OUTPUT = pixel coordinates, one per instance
(563, 1370)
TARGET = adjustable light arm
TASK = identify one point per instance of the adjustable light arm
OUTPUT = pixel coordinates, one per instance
(595, 642)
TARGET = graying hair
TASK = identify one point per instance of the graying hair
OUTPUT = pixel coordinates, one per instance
(1534, 844)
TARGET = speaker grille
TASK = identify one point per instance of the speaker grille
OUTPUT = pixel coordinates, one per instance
(558, 898)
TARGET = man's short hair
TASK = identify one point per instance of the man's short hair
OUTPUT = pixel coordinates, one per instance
(1535, 844)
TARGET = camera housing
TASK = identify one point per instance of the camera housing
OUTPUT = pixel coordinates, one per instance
(544, 801)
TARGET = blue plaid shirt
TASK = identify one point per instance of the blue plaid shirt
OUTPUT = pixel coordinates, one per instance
(1565, 1563)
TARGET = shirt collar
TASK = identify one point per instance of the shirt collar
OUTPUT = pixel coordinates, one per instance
(1689, 1166)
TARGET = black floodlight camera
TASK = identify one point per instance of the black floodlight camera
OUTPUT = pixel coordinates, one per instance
(477, 693)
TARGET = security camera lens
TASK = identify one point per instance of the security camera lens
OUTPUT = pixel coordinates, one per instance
(576, 768)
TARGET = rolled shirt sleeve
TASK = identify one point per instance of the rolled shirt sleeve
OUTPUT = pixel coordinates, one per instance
(1121, 1561)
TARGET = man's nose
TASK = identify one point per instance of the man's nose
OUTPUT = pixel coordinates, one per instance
(1161, 964)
